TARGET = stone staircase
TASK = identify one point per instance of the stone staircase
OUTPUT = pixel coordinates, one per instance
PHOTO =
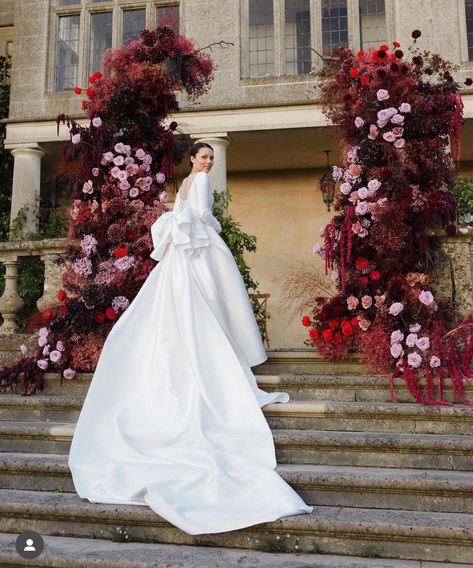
(391, 482)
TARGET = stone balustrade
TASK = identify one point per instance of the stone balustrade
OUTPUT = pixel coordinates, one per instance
(10, 252)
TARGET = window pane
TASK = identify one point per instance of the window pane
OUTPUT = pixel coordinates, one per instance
(261, 50)
(69, 2)
(372, 23)
(100, 39)
(168, 16)
(297, 22)
(334, 25)
(133, 23)
(469, 27)
(67, 53)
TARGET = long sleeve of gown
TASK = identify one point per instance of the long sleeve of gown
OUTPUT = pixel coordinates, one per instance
(204, 201)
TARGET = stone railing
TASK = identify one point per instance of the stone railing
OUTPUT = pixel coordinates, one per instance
(10, 252)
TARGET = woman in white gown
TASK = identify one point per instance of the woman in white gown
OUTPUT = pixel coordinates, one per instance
(172, 418)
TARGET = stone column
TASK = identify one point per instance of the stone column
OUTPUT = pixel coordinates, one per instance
(52, 281)
(26, 184)
(10, 302)
(218, 174)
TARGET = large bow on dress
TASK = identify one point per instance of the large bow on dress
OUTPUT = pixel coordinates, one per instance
(187, 231)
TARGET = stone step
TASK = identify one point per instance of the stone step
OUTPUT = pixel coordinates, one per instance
(376, 449)
(408, 535)
(67, 552)
(336, 486)
(298, 414)
(307, 361)
(345, 388)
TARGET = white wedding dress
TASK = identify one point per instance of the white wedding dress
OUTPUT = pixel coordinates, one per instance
(172, 418)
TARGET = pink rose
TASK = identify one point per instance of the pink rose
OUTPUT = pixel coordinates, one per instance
(364, 324)
(129, 160)
(374, 184)
(365, 223)
(160, 177)
(415, 328)
(381, 123)
(24, 349)
(434, 361)
(426, 297)
(352, 302)
(119, 148)
(362, 234)
(140, 154)
(134, 192)
(398, 131)
(68, 374)
(359, 122)
(45, 350)
(42, 341)
(88, 187)
(316, 248)
(42, 364)
(126, 149)
(382, 95)
(60, 346)
(108, 156)
(95, 172)
(345, 188)
(122, 175)
(147, 159)
(423, 343)
(97, 122)
(75, 139)
(163, 197)
(414, 360)
(124, 185)
(397, 119)
(337, 173)
(356, 228)
(383, 115)
(43, 332)
(334, 275)
(354, 197)
(396, 308)
(366, 302)
(397, 336)
(114, 172)
(399, 143)
(411, 339)
(363, 192)
(119, 160)
(361, 208)
(373, 132)
(405, 107)
(389, 136)
(55, 356)
(396, 350)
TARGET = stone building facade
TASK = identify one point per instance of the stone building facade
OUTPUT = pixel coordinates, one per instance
(269, 135)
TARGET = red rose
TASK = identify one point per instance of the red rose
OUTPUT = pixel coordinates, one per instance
(64, 310)
(384, 47)
(360, 53)
(120, 252)
(61, 296)
(110, 313)
(84, 105)
(47, 314)
(399, 53)
(381, 54)
(131, 236)
(354, 322)
(313, 334)
(347, 329)
(89, 92)
(354, 72)
(306, 321)
(364, 79)
(396, 44)
(97, 75)
(99, 317)
(415, 34)
(374, 55)
(363, 280)
(337, 338)
(327, 334)
(77, 90)
(375, 275)
(333, 324)
(362, 263)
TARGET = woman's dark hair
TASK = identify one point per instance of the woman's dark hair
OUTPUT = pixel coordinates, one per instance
(197, 146)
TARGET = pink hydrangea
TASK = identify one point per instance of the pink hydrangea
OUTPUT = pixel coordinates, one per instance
(414, 360)
(88, 244)
(120, 303)
(396, 308)
(82, 267)
(125, 263)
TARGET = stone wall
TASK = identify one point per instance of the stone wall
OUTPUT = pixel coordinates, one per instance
(7, 12)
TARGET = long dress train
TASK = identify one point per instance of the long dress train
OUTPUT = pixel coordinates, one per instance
(172, 418)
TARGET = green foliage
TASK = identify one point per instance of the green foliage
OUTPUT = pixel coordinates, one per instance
(30, 285)
(316, 548)
(463, 192)
(371, 552)
(273, 546)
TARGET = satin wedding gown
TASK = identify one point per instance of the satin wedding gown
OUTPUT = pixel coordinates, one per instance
(172, 418)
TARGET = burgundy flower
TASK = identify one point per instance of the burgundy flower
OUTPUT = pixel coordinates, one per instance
(416, 34)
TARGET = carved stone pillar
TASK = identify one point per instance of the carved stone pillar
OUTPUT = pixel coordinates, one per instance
(52, 281)
(10, 302)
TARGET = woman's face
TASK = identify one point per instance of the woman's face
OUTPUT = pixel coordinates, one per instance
(203, 160)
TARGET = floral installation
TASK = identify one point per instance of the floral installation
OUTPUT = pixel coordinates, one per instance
(126, 155)
(397, 116)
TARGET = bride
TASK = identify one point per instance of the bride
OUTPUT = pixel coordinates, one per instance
(172, 418)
